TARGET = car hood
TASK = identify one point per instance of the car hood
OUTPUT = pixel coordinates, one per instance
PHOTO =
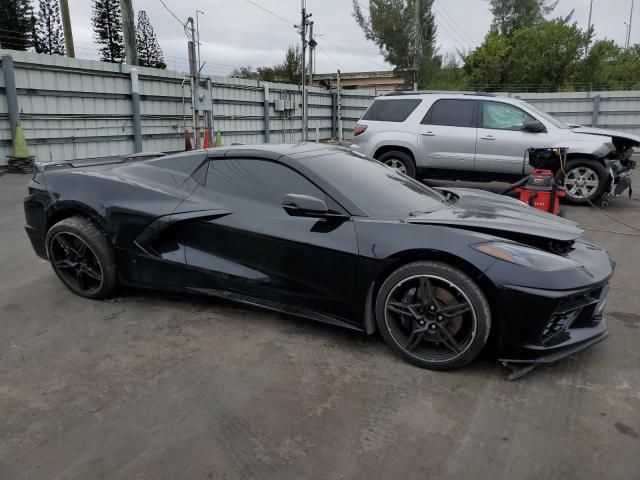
(477, 209)
(633, 139)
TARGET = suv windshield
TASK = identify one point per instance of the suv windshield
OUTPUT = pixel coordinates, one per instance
(547, 116)
(378, 190)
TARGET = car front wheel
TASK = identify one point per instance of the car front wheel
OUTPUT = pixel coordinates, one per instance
(433, 315)
(585, 180)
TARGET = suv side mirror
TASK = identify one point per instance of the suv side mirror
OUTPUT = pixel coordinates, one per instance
(534, 126)
(304, 206)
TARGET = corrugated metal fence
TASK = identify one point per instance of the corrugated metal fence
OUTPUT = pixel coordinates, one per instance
(72, 108)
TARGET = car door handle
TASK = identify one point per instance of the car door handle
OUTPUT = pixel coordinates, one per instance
(428, 134)
(488, 137)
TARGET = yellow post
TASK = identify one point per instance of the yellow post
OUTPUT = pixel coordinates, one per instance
(20, 148)
(218, 139)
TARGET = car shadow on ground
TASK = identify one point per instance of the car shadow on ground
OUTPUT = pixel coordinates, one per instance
(290, 326)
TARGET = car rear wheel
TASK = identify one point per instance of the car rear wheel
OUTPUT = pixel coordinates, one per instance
(82, 258)
(399, 161)
(585, 180)
(433, 315)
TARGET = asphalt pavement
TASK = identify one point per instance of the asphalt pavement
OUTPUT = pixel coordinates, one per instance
(160, 386)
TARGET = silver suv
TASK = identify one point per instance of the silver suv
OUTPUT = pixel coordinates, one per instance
(482, 137)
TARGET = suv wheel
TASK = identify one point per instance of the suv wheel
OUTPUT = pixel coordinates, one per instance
(400, 161)
(585, 180)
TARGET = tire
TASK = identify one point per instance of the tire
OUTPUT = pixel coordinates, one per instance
(82, 258)
(432, 348)
(400, 161)
(584, 170)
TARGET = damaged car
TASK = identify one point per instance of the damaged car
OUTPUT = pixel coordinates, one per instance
(326, 234)
(482, 137)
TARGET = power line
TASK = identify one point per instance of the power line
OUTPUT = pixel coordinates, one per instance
(460, 30)
(327, 54)
(324, 36)
(270, 12)
(451, 31)
(184, 24)
(351, 52)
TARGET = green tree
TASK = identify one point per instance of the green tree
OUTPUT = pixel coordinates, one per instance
(16, 24)
(486, 68)
(289, 71)
(512, 15)
(621, 70)
(107, 29)
(390, 25)
(546, 56)
(594, 68)
(450, 75)
(48, 35)
(149, 51)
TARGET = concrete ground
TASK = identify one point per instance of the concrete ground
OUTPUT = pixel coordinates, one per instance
(156, 386)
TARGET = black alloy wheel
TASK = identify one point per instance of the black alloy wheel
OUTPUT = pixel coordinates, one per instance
(82, 258)
(435, 316)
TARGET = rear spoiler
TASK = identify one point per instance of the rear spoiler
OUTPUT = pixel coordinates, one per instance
(41, 167)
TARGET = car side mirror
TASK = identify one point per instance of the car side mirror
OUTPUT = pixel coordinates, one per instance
(304, 206)
(534, 126)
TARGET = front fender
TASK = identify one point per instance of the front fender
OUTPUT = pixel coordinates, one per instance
(596, 149)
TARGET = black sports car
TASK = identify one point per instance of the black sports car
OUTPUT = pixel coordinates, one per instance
(327, 234)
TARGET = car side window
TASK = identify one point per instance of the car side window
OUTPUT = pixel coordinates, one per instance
(395, 110)
(258, 181)
(451, 113)
(502, 116)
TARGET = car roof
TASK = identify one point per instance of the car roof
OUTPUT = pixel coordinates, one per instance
(435, 95)
(283, 151)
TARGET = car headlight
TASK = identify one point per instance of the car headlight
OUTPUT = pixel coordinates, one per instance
(525, 256)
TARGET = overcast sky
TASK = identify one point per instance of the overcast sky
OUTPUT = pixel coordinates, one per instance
(237, 32)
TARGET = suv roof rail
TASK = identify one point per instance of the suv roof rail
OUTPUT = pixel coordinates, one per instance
(435, 92)
(482, 94)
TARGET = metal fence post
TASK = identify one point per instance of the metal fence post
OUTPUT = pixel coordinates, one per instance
(135, 109)
(596, 111)
(334, 114)
(10, 92)
(267, 129)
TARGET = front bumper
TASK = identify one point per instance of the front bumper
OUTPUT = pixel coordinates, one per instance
(546, 315)
(542, 326)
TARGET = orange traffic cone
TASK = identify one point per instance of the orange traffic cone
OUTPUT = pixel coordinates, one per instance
(206, 143)
(187, 140)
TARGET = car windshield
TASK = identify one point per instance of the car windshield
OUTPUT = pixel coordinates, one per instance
(375, 188)
(547, 116)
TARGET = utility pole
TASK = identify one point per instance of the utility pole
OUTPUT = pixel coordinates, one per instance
(303, 38)
(312, 51)
(339, 102)
(416, 60)
(628, 39)
(589, 23)
(195, 83)
(66, 27)
(129, 31)
(198, 41)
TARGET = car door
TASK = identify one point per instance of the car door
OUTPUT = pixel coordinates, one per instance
(502, 142)
(447, 135)
(260, 251)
